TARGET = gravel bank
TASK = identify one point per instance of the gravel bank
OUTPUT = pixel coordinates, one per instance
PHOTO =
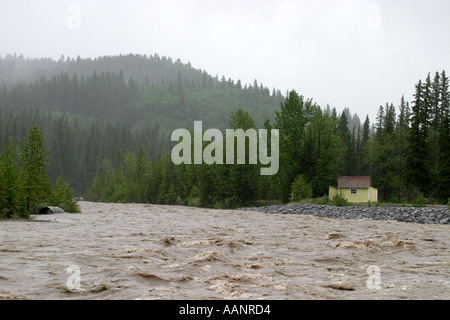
(404, 214)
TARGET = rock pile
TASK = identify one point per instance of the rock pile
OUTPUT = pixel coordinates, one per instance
(428, 215)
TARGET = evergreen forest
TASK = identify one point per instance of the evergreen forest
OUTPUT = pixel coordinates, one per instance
(101, 129)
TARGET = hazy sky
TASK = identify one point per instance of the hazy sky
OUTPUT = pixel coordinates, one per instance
(347, 53)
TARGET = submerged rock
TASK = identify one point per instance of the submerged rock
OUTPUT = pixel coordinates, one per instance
(50, 210)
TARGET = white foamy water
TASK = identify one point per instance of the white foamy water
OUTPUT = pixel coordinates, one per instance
(137, 251)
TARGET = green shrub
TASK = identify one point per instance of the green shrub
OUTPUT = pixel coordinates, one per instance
(420, 200)
(300, 189)
(228, 203)
(171, 197)
(193, 202)
(321, 201)
(62, 196)
(339, 201)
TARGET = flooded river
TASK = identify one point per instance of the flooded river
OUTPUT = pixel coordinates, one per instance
(137, 251)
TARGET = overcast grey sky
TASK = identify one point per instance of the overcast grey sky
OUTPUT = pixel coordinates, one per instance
(347, 53)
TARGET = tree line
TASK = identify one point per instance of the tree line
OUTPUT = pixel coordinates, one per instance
(110, 137)
(137, 179)
(316, 146)
(145, 69)
(91, 118)
(76, 147)
(110, 97)
(25, 186)
(78, 141)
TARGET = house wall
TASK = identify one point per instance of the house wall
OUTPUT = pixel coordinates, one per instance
(361, 197)
(332, 191)
(373, 194)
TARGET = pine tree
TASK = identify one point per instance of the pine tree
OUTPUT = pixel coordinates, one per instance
(2, 193)
(12, 189)
(365, 169)
(352, 154)
(62, 196)
(435, 122)
(142, 168)
(403, 117)
(348, 161)
(427, 104)
(401, 135)
(443, 162)
(243, 176)
(380, 123)
(389, 120)
(35, 180)
(443, 156)
(444, 95)
(386, 173)
(416, 169)
(171, 197)
(326, 148)
(436, 114)
(291, 120)
(358, 151)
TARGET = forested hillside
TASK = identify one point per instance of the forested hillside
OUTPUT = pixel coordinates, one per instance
(107, 123)
(92, 111)
(406, 154)
(142, 68)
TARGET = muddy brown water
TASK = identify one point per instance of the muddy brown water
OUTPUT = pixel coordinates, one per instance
(137, 251)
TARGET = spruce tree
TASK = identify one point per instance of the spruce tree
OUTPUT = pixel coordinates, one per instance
(443, 157)
(386, 172)
(444, 95)
(348, 161)
(291, 120)
(427, 103)
(365, 161)
(436, 114)
(443, 162)
(142, 168)
(61, 195)
(13, 204)
(416, 169)
(401, 136)
(243, 176)
(2, 193)
(35, 180)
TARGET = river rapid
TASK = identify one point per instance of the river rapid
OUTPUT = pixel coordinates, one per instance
(139, 251)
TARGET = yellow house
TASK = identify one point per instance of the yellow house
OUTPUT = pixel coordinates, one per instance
(355, 189)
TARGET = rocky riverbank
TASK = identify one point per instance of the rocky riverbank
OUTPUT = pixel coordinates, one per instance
(426, 215)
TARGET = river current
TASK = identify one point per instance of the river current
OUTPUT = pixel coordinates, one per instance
(139, 251)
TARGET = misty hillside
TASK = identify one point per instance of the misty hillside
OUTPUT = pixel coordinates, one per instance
(142, 68)
(99, 116)
(93, 111)
(135, 90)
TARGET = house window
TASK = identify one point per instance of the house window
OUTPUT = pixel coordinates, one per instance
(354, 192)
